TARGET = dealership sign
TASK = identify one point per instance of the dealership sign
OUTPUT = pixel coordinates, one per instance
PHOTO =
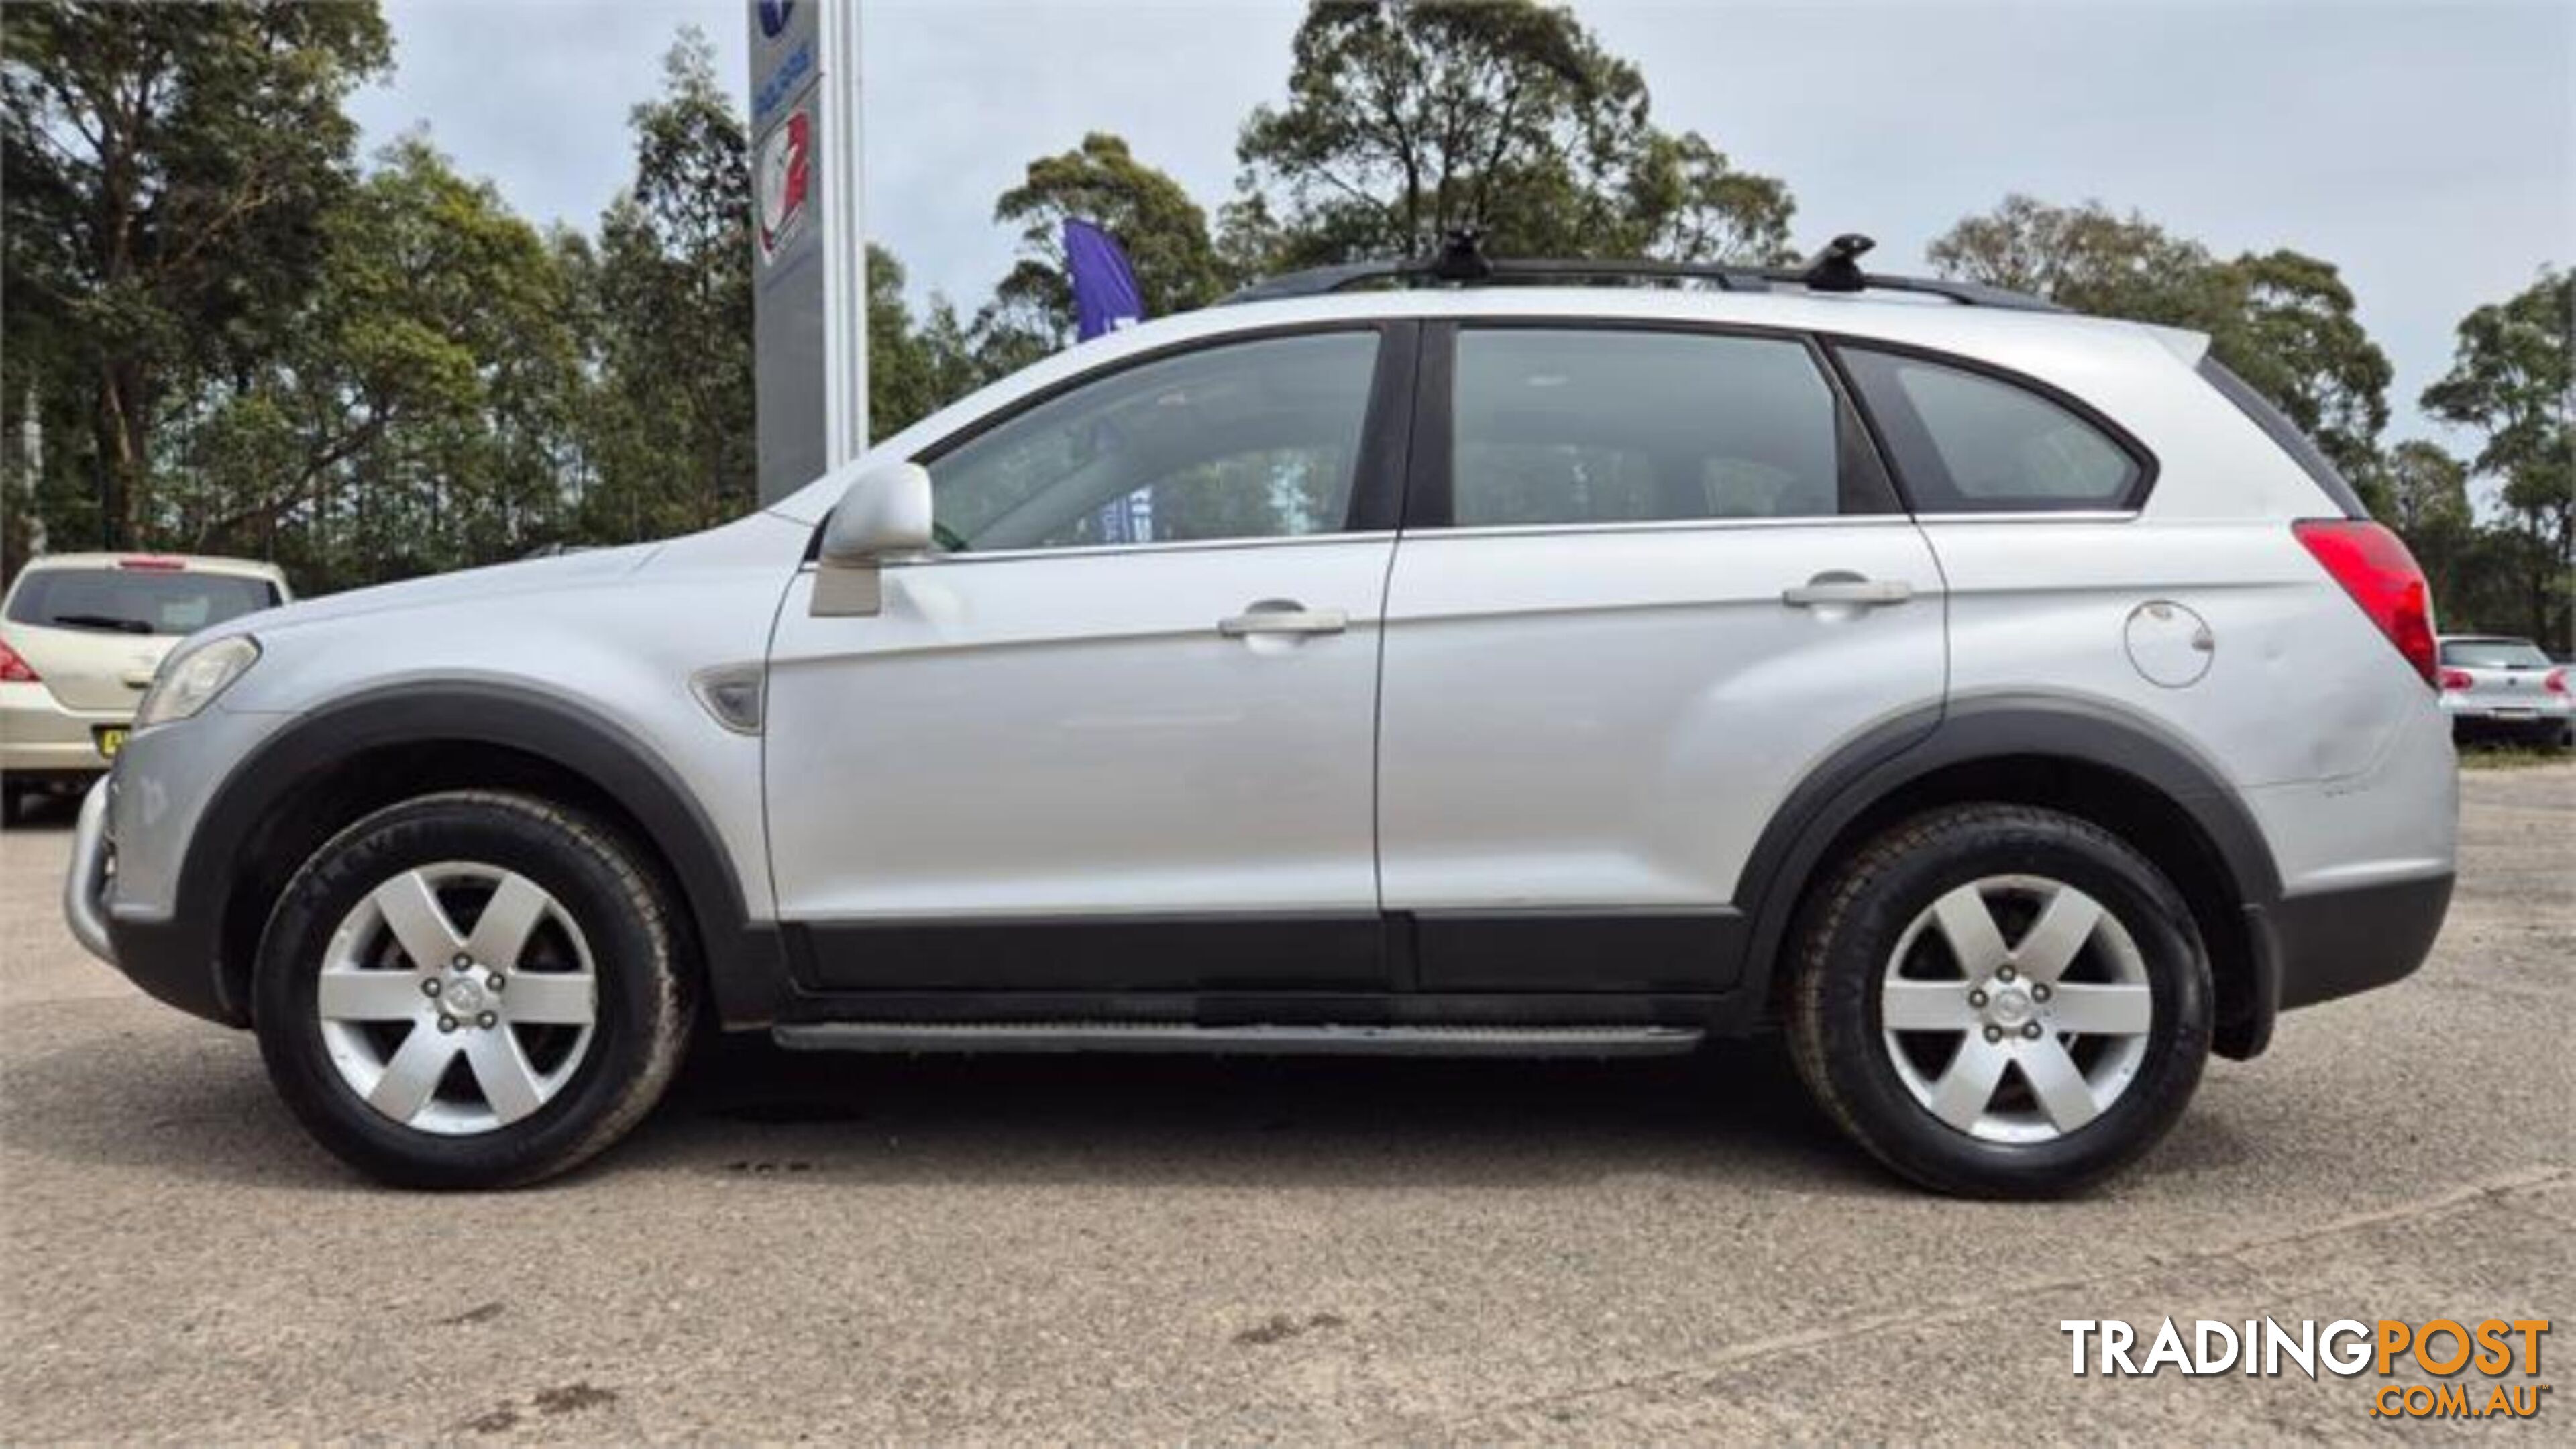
(786, 183)
(809, 322)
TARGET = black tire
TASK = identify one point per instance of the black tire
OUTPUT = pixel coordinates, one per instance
(644, 1000)
(1857, 918)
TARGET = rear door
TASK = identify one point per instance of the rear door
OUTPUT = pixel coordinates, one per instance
(1649, 579)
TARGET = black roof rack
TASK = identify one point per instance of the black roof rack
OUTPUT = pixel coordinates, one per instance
(1462, 262)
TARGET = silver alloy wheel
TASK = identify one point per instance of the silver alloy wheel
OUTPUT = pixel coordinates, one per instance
(458, 960)
(2016, 1008)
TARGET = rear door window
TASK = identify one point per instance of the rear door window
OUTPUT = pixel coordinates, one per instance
(135, 601)
(1966, 442)
(1608, 426)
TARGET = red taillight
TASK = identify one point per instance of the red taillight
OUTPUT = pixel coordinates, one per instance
(154, 564)
(2456, 679)
(2556, 683)
(14, 670)
(2374, 567)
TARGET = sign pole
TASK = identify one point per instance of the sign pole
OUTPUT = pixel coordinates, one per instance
(846, 290)
(809, 263)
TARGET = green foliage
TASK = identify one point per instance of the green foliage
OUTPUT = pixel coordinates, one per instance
(2282, 320)
(412, 415)
(166, 167)
(670, 437)
(1163, 232)
(223, 335)
(1407, 119)
(2513, 380)
(913, 370)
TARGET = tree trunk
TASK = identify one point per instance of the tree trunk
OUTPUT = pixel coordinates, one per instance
(113, 461)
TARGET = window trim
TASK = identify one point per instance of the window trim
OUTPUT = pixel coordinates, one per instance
(1837, 343)
(1378, 465)
(1430, 503)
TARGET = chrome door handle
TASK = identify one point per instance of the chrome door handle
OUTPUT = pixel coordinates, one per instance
(1826, 589)
(1280, 616)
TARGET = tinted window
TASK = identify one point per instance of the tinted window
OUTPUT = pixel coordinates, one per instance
(1248, 440)
(1966, 442)
(135, 601)
(2285, 435)
(1567, 426)
(2493, 654)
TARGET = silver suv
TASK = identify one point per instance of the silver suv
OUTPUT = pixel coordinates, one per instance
(2005, 704)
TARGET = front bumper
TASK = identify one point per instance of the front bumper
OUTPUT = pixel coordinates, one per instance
(85, 884)
(171, 964)
(122, 897)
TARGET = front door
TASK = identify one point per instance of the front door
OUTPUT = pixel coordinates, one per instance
(1665, 578)
(1118, 734)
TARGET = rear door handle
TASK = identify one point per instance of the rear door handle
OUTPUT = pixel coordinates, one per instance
(1847, 591)
(1283, 616)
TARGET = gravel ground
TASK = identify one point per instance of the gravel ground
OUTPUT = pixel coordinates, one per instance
(1170, 1249)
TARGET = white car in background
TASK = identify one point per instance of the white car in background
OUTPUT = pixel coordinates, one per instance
(2499, 687)
(80, 637)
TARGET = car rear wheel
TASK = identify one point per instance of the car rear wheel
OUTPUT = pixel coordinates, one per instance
(1998, 1000)
(473, 989)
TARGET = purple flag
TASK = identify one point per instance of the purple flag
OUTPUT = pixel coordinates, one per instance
(1104, 300)
(1104, 287)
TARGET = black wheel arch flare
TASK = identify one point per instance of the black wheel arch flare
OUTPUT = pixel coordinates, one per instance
(1853, 790)
(744, 966)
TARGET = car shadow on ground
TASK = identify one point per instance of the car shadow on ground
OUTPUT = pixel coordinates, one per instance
(46, 813)
(745, 1108)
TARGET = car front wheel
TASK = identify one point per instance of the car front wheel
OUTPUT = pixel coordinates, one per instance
(1997, 1000)
(472, 989)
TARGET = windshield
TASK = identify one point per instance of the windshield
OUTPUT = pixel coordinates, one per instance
(2494, 654)
(135, 601)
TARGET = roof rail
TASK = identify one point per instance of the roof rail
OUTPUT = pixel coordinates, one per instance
(1462, 262)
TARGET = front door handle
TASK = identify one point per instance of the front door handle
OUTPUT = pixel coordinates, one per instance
(1847, 591)
(1282, 616)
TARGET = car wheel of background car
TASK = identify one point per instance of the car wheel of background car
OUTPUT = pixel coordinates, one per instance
(2003, 1001)
(473, 989)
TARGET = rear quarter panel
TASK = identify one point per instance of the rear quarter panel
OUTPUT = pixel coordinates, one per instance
(2304, 708)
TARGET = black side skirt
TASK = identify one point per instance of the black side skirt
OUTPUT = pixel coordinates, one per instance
(1562, 952)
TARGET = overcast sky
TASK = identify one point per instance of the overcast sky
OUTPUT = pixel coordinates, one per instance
(2427, 148)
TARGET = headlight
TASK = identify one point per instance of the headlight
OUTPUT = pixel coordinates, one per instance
(190, 682)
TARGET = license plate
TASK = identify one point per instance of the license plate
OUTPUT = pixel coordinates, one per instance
(111, 738)
(2516, 714)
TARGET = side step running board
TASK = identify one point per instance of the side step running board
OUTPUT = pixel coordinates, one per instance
(1288, 1041)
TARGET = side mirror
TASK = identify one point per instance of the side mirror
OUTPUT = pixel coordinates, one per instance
(885, 513)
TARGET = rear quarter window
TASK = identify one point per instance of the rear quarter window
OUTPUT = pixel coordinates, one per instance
(1967, 442)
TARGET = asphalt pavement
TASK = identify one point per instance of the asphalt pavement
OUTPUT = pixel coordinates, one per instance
(1160, 1249)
